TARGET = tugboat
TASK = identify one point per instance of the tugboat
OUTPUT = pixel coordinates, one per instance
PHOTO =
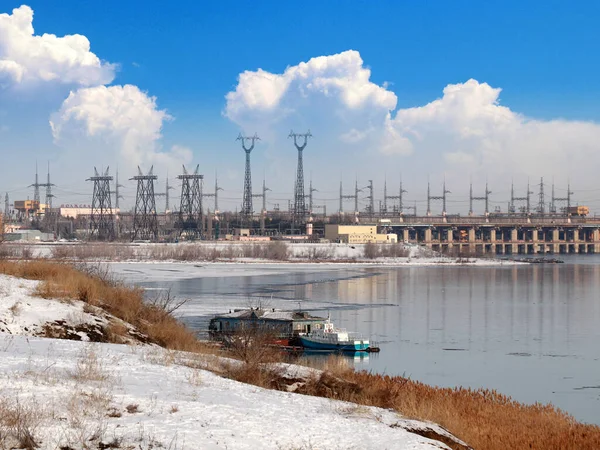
(331, 338)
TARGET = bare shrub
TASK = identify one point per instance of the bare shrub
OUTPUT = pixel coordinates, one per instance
(231, 251)
(371, 250)
(15, 251)
(132, 408)
(166, 301)
(390, 250)
(87, 410)
(19, 423)
(253, 344)
(320, 253)
(277, 250)
(89, 366)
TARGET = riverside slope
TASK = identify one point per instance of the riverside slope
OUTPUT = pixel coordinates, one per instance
(76, 394)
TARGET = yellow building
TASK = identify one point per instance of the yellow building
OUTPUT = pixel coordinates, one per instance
(357, 234)
(27, 207)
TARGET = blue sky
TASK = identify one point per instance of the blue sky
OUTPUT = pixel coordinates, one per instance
(189, 56)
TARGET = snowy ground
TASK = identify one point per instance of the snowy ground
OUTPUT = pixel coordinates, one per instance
(22, 313)
(75, 394)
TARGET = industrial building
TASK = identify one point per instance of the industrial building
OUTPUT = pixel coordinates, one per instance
(357, 234)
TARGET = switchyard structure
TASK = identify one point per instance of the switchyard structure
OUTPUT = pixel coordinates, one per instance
(190, 211)
(400, 197)
(299, 212)
(214, 195)
(485, 198)
(263, 211)
(349, 197)
(102, 225)
(311, 190)
(371, 198)
(437, 197)
(117, 193)
(566, 199)
(36, 189)
(541, 209)
(247, 210)
(166, 194)
(512, 208)
(145, 223)
(540, 224)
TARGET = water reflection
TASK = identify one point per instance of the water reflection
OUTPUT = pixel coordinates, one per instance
(529, 331)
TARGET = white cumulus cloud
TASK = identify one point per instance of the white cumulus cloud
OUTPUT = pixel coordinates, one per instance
(467, 131)
(334, 90)
(472, 132)
(27, 57)
(123, 118)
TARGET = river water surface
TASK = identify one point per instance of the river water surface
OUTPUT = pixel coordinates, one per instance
(529, 331)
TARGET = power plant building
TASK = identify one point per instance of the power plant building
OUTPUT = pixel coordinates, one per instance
(357, 234)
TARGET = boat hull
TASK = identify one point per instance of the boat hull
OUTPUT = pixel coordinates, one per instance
(352, 346)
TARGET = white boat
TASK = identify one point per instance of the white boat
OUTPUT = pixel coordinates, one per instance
(331, 338)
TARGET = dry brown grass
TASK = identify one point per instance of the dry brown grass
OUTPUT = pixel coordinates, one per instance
(65, 281)
(19, 423)
(484, 418)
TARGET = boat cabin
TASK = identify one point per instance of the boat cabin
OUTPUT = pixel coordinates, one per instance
(287, 323)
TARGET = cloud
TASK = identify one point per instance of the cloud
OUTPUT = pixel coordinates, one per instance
(97, 124)
(124, 118)
(467, 131)
(473, 132)
(27, 58)
(335, 90)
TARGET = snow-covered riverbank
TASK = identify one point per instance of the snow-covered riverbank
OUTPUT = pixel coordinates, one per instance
(76, 394)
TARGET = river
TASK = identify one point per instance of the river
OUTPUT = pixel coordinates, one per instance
(528, 331)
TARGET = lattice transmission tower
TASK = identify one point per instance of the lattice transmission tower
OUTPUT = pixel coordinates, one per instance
(299, 213)
(190, 210)
(145, 223)
(542, 199)
(102, 225)
(247, 210)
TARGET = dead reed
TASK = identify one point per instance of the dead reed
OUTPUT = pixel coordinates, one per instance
(94, 287)
(484, 418)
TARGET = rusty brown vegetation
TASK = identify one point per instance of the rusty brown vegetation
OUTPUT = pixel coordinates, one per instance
(485, 419)
(92, 285)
